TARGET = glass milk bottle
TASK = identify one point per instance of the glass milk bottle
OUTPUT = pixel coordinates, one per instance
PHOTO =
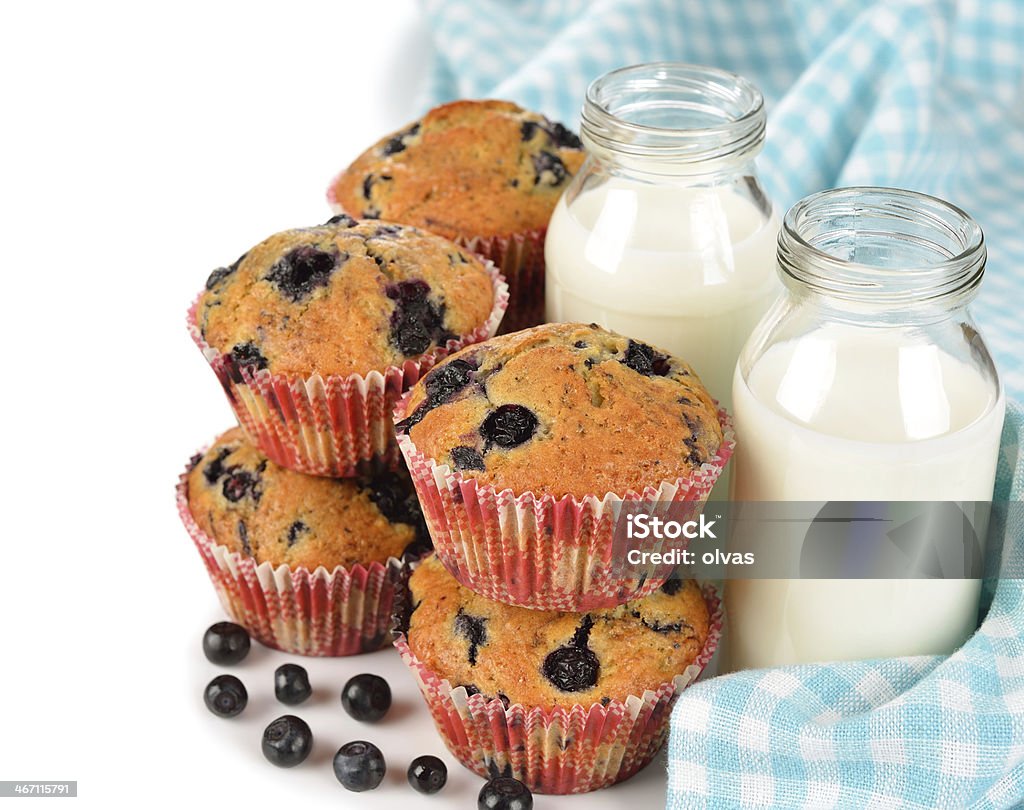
(665, 234)
(867, 381)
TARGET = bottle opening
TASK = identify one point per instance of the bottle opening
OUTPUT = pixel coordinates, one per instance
(674, 111)
(881, 246)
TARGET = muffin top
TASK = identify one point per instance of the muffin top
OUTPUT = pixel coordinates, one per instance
(344, 297)
(564, 408)
(251, 505)
(469, 168)
(548, 658)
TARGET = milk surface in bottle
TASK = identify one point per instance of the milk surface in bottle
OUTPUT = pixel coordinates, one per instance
(868, 382)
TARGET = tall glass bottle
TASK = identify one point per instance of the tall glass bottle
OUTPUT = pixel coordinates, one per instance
(665, 234)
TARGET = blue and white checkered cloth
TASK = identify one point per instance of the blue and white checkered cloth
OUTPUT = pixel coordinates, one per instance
(921, 94)
(923, 732)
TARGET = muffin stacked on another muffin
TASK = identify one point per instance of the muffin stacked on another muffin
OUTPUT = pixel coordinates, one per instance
(315, 332)
(542, 652)
(486, 174)
(304, 513)
(564, 409)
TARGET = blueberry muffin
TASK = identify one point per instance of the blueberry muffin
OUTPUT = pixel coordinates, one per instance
(345, 297)
(547, 658)
(485, 173)
(247, 503)
(564, 409)
(465, 168)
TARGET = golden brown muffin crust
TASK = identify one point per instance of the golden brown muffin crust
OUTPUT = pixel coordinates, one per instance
(468, 168)
(344, 297)
(530, 656)
(249, 504)
(564, 408)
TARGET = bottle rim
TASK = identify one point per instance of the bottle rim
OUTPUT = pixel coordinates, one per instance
(677, 111)
(881, 247)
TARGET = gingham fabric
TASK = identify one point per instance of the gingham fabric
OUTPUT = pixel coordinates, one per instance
(924, 732)
(921, 94)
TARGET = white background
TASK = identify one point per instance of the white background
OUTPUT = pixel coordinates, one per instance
(144, 145)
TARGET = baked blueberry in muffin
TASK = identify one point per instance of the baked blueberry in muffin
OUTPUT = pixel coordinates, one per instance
(548, 658)
(344, 297)
(564, 408)
(251, 505)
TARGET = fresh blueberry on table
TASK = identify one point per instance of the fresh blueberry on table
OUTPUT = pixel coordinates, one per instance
(505, 793)
(287, 741)
(359, 766)
(225, 696)
(427, 774)
(291, 684)
(366, 697)
(225, 643)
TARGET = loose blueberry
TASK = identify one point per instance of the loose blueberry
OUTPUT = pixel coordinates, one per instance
(225, 643)
(302, 270)
(466, 458)
(509, 426)
(342, 219)
(287, 741)
(474, 630)
(415, 322)
(359, 766)
(644, 360)
(548, 169)
(504, 793)
(446, 381)
(573, 667)
(427, 774)
(366, 697)
(225, 696)
(291, 684)
(248, 354)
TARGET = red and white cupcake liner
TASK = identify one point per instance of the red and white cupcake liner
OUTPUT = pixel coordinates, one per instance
(560, 750)
(520, 258)
(344, 611)
(329, 425)
(539, 552)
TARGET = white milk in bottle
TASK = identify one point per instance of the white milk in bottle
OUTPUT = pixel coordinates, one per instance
(665, 234)
(868, 382)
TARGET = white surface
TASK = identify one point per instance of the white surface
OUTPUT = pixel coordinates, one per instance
(144, 145)
(688, 269)
(880, 416)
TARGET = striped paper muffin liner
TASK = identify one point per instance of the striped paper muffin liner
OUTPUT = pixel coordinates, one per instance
(344, 611)
(546, 553)
(520, 258)
(332, 425)
(561, 750)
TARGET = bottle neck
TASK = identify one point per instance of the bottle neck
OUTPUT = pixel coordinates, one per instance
(880, 255)
(674, 122)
